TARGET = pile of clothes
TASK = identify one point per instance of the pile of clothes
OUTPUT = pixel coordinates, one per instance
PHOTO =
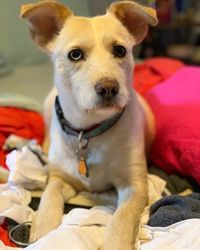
(19, 116)
(170, 221)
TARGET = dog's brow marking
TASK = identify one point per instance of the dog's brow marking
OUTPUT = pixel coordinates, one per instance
(95, 34)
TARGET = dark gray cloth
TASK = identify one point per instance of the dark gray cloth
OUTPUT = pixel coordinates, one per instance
(175, 183)
(174, 208)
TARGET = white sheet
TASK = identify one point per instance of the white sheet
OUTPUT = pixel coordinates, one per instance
(83, 229)
(183, 235)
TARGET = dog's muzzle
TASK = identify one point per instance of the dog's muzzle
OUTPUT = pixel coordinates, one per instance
(107, 89)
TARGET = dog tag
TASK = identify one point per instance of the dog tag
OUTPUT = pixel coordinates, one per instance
(83, 168)
(82, 156)
(82, 153)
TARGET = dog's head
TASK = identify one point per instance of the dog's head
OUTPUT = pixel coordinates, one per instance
(92, 56)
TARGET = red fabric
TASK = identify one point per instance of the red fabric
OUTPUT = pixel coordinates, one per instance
(176, 105)
(24, 123)
(4, 237)
(154, 71)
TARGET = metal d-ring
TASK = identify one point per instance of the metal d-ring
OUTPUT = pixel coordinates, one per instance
(82, 144)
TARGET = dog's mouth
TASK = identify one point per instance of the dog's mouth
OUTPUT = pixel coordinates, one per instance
(106, 105)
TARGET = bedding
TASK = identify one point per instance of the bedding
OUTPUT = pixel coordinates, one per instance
(19, 116)
(81, 228)
(176, 105)
(153, 71)
(174, 208)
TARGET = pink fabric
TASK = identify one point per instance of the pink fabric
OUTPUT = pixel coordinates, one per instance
(176, 105)
(154, 71)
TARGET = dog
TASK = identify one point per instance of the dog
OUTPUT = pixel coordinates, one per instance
(101, 129)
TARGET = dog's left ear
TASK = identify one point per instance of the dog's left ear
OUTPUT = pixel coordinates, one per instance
(134, 17)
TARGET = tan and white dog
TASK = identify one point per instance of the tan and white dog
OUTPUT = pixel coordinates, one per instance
(93, 74)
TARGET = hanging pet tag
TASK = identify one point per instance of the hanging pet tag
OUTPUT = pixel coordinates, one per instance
(83, 168)
(82, 153)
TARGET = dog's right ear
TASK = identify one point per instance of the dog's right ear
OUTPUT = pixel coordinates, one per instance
(46, 19)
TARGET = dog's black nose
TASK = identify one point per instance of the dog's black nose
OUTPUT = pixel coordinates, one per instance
(107, 88)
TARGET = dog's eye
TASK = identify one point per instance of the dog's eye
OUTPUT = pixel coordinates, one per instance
(119, 51)
(76, 55)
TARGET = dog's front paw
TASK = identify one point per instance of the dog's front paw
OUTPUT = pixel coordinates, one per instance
(37, 231)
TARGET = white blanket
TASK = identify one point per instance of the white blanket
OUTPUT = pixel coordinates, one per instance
(83, 229)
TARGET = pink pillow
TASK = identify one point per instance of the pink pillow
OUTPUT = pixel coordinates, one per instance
(176, 105)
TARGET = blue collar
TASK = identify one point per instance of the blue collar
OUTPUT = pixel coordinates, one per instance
(93, 131)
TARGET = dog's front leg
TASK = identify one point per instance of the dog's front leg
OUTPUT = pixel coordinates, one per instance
(50, 210)
(123, 229)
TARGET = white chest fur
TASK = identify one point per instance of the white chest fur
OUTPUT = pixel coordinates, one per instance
(64, 160)
(109, 154)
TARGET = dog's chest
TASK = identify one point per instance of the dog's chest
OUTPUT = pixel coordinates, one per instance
(96, 159)
(106, 156)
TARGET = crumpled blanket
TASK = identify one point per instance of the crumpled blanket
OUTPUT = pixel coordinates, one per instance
(21, 122)
(153, 71)
(83, 229)
(183, 235)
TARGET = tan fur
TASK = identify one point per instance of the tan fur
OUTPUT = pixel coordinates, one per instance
(3, 175)
(117, 157)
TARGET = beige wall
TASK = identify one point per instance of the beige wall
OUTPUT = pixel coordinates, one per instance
(15, 42)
